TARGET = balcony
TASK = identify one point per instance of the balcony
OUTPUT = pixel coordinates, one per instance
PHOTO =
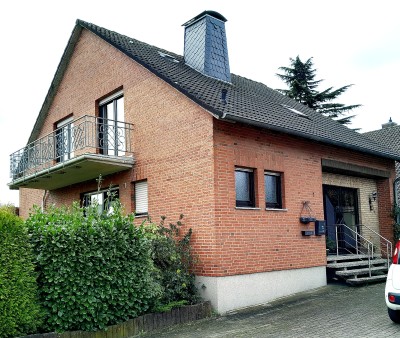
(78, 151)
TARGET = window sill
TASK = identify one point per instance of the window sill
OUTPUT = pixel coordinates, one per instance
(142, 216)
(247, 208)
(273, 209)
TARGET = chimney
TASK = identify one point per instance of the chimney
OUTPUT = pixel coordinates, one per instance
(205, 45)
(389, 124)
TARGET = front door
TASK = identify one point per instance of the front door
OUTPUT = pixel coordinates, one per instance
(341, 215)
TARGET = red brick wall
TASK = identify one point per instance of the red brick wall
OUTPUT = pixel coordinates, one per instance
(249, 241)
(173, 137)
(175, 144)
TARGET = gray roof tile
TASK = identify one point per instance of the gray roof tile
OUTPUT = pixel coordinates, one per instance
(247, 101)
(389, 136)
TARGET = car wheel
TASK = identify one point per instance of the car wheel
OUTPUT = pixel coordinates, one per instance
(394, 315)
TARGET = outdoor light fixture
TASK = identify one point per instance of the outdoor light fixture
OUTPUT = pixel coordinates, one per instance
(371, 198)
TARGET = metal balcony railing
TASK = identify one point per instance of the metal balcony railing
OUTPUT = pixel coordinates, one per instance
(85, 135)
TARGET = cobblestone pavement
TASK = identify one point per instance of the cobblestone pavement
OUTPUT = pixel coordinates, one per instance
(335, 310)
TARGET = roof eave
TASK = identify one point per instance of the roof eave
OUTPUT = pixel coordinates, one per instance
(230, 117)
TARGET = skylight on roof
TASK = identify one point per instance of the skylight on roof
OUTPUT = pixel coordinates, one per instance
(168, 57)
(294, 110)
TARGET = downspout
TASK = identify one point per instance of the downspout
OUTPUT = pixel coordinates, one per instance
(395, 191)
(44, 200)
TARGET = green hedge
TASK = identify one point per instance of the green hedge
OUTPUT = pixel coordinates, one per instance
(94, 270)
(19, 309)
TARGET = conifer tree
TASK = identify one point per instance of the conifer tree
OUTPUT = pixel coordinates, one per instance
(300, 78)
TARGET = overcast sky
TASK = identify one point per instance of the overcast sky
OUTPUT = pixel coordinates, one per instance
(352, 42)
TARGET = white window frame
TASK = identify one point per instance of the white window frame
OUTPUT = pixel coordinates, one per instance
(66, 128)
(141, 198)
(99, 196)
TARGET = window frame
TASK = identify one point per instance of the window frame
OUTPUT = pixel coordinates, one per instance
(251, 203)
(135, 186)
(111, 128)
(86, 198)
(64, 139)
(278, 188)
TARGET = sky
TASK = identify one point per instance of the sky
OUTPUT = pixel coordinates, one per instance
(351, 42)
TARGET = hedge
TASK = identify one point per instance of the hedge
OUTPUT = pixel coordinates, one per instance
(19, 308)
(94, 270)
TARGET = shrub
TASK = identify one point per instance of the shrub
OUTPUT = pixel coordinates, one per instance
(94, 270)
(173, 257)
(19, 308)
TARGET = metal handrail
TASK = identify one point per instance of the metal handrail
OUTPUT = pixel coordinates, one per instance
(103, 136)
(389, 246)
(369, 247)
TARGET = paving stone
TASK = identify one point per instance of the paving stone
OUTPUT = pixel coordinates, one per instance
(336, 310)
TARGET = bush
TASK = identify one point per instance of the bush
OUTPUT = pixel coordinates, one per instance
(173, 257)
(94, 270)
(396, 225)
(19, 308)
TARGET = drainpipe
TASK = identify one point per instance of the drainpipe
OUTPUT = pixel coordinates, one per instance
(44, 200)
(395, 191)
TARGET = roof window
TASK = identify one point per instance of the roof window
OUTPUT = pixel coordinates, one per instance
(294, 110)
(168, 57)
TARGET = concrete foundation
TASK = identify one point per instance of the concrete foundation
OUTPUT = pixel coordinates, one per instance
(240, 291)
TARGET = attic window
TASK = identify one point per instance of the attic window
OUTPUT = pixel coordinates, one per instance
(294, 110)
(168, 57)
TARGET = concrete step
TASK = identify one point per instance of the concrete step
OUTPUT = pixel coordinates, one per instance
(366, 280)
(345, 265)
(364, 271)
(335, 258)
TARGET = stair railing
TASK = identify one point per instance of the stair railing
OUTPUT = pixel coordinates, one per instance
(381, 243)
(352, 240)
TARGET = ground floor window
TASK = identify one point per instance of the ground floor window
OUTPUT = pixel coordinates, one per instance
(141, 198)
(273, 190)
(244, 185)
(102, 198)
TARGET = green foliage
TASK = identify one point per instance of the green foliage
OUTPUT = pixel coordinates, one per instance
(94, 270)
(300, 78)
(396, 225)
(170, 306)
(20, 313)
(173, 257)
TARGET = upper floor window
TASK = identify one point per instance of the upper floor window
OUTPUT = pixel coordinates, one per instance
(111, 127)
(273, 190)
(244, 184)
(103, 199)
(64, 140)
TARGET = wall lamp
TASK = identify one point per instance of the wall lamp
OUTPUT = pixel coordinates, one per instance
(371, 198)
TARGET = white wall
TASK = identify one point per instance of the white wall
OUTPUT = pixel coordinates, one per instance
(240, 291)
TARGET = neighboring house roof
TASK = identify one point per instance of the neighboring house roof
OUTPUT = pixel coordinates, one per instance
(389, 136)
(242, 100)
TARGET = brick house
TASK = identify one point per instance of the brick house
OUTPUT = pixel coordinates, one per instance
(175, 134)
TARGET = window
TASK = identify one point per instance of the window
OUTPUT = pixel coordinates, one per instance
(103, 198)
(111, 126)
(141, 198)
(64, 140)
(244, 182)
(272, 185)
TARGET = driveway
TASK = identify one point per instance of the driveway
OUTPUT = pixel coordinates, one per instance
(335, 310)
